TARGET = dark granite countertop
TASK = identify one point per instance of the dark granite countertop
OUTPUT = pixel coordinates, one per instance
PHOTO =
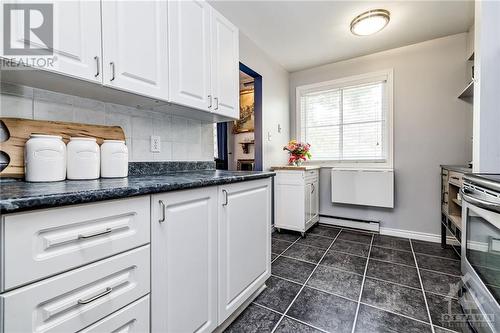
(457, 168)
(16, 196)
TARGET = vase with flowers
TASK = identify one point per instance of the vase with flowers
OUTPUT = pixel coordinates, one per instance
(298, 152)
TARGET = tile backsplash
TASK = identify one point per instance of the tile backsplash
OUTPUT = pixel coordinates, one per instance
(182, 139)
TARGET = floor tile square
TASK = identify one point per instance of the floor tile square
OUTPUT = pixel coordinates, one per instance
(345, 262)
(391, 242)
(286, 235)
(278, 295)
(254, 319)
(439, 308)
(405, 275)
(434, 249)
(438, 264)
(292, 269)
(324, 231)
(355, 236)
(278, 246)
(358, 249)
(323, 310)
(391, 255)
(374, 320)
(316, 241)
(402, 300)
(288, 325)
(446, 285)
(307, 253)
(336, 282)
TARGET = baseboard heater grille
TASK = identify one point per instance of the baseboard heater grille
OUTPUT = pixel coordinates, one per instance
(347, 222)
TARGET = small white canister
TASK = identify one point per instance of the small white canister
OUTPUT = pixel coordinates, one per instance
(83, 158)
(114, 159)
(44, 158)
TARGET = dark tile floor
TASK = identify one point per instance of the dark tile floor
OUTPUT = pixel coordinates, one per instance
(343, 280)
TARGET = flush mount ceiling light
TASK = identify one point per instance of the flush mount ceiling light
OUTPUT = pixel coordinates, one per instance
(370, 22)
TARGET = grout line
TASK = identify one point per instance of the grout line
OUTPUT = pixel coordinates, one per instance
(422, 286)
(438, 272)
(333, 294)
(395, 263)
(391, 282)
(362, 286)
(289, 246)
(440, 295)
(303, 286)
(303, 260)
(391, 248)
(304, 323)
(267, 308)
(340, 269)
(279, 277)
(395, 313)
(430, 255)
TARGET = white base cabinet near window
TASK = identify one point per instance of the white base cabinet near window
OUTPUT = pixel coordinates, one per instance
(296, 198)
(210, 253)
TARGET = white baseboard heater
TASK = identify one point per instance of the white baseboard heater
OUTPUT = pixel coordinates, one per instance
(350, 222)
(365, 187)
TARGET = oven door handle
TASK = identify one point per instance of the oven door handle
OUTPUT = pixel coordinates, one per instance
(480, 202)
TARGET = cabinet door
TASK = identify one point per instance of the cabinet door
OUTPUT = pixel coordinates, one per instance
(184, 261)
(135, 46)
(76, 40)
(244, 242)
(189, 53)
(225, 66)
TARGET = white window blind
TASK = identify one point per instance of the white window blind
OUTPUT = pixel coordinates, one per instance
(346, 123)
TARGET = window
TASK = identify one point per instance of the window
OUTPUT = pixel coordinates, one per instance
(348, 120)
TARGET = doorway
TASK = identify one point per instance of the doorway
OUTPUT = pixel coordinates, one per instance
(239, 143)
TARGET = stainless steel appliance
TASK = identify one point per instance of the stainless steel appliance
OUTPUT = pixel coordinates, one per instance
(481, 251)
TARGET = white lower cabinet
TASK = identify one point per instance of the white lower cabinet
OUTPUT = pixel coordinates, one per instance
(184, 261)
(133, 318)
(74, 300)
(244, 242)
(297, 199)
(210, 253)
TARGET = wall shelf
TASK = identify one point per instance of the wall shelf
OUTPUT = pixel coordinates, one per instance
(468, 93)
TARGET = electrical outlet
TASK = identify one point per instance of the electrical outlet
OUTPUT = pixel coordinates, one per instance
(155, 144)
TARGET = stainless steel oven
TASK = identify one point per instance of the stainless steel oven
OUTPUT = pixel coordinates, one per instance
(481, 251)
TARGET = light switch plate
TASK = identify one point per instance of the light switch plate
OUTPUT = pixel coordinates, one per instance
(155, 144)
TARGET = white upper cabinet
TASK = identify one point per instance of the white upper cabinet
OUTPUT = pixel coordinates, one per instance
(135, 47)
(225, 66)
(189, 53)
(76, 43)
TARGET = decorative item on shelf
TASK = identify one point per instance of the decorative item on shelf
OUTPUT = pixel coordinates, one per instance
(298, 151)
(246, 146)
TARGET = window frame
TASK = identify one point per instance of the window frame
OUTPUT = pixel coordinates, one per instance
(366, 78)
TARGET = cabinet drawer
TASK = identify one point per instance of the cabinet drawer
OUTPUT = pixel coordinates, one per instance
(455, 178)
(47, 242)
(133, 318)
(311, 176)
(74, 300)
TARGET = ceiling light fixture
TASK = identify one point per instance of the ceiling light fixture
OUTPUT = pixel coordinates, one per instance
(370, 22)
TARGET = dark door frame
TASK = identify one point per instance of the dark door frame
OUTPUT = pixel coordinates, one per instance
(257, 113)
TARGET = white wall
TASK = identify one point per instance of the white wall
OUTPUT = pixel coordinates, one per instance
(431, 127)
(275, 101)
(181, 138)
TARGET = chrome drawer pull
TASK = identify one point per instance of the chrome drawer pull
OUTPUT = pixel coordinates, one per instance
(96, 297)
(225, 197)
(163, 211)
(107, 231)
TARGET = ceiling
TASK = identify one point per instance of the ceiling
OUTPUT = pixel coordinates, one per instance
(303, 34)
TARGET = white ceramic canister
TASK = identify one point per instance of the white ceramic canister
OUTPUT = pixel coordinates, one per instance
(44, 158)
(114, 159)
(83, 159)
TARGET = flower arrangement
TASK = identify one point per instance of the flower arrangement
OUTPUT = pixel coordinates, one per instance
(299, 152)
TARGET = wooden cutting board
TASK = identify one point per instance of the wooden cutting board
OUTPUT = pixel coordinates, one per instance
(21, 129)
